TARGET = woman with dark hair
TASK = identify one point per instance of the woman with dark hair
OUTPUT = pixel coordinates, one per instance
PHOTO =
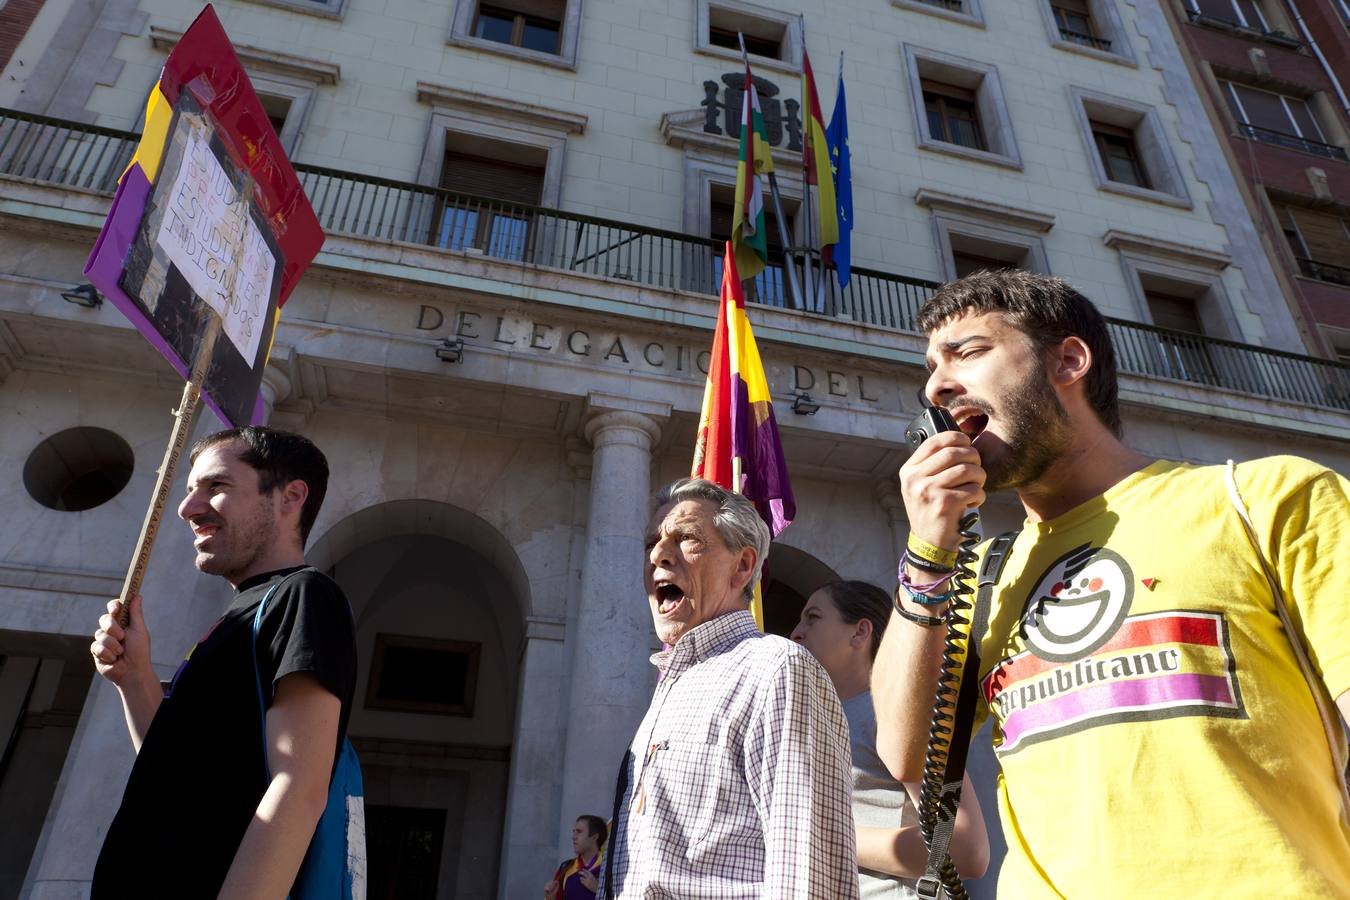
(841, 625)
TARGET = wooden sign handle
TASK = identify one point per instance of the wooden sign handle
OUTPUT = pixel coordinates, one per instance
(182, 427)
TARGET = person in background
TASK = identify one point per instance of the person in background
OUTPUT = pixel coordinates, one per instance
(578, 878)
(842, 624)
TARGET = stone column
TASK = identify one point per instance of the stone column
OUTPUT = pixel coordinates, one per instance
(275, 388)
(611, 637)
(888, 495)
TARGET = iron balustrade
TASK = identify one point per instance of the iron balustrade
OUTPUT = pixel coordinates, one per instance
(1291, 141)
(70, 154)
(1323, 271)
(1087, 40)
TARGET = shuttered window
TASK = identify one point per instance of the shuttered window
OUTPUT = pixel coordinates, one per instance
(1173, 312)
(1274, 112)
(483, 177)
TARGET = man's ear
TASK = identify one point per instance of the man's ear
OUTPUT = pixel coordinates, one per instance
(293, 497)
(1069, 361)
(745, 568)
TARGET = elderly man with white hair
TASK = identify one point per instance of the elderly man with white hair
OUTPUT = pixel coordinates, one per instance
(737, 783)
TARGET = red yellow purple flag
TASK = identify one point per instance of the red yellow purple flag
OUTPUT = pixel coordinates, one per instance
(737, 445)
(816, 157)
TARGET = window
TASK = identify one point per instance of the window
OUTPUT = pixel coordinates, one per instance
(78, 469)
(1320, 242)
(423, 675)
(770, 286)
(329, 9)
(959, 107)
(952, 115)
(1243, 13)
(521, 29)
(512, 175)
(1088, 27)
(1127, 148)
(772, 36)
(967, 12)
(1277, 119)
(975, 234)
(541, 31)
(1183, 354)
(277, 109)
(1119, 154)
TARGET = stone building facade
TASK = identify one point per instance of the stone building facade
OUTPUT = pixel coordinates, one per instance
(1274, 75)
(500, 348)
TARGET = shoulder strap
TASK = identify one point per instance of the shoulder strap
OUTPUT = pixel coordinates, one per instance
(967, 702)
(1330, 720)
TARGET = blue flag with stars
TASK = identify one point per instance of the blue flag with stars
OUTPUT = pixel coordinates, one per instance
(836, 141)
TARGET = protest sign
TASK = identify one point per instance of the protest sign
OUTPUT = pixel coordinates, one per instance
(208, 233)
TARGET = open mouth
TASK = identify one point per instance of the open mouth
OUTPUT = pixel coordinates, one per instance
(668, 597)
(971, 421)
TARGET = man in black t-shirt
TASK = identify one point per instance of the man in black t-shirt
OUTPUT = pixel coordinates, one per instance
(201, 816)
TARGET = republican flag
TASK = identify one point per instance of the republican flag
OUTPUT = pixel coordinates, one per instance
(737, 445)
(816, 157)
(836, 138)
(749, 238)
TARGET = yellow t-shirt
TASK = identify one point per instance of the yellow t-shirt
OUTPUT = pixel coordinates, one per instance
(1156, 735)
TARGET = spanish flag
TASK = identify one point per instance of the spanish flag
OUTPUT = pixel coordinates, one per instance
(749, 239)
(737, 444)
(816, 157)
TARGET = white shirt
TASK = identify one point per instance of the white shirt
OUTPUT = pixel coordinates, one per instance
(738, 779)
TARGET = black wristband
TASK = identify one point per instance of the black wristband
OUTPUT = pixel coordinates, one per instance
(926, 621)
(909, 559)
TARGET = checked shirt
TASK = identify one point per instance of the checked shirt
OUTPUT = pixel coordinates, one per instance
(739, 777)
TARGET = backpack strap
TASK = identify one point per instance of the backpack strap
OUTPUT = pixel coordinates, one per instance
(1321, 697)
(991, 569)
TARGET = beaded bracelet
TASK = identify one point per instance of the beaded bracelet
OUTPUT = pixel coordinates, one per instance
(926, 599)
(909, 585)
(916, 618)
(930, 553)
(909, 559)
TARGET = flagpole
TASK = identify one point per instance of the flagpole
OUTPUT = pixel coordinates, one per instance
(807, 275)
(793, 287)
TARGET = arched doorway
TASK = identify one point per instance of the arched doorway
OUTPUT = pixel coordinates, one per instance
(790, 576)
(438, 596)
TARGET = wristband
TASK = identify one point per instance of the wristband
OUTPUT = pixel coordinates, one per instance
(930, 553)
(924, 599)
(907, 559)
(926, 621)
(927, 588)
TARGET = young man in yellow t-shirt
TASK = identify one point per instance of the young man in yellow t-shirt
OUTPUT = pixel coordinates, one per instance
(1156, 734)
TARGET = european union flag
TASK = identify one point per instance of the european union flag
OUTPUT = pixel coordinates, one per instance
(836, 140)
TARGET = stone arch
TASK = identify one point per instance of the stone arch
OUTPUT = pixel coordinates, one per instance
(790, 576)
(440, 599)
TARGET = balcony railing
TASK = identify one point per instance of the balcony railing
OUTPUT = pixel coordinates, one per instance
(1291, 141)
(1274, 37)
(1087, 40)
(69, 154)
(1324, 271)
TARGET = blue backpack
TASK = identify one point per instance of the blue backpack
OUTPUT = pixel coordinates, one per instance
(334, 867)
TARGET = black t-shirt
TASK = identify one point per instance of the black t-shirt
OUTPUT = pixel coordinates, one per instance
(202, 769)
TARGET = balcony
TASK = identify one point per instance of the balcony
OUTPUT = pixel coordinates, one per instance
(68, 154)
(1291, 141)
(1278, 38)
(1328, 272)
(1085, 40)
